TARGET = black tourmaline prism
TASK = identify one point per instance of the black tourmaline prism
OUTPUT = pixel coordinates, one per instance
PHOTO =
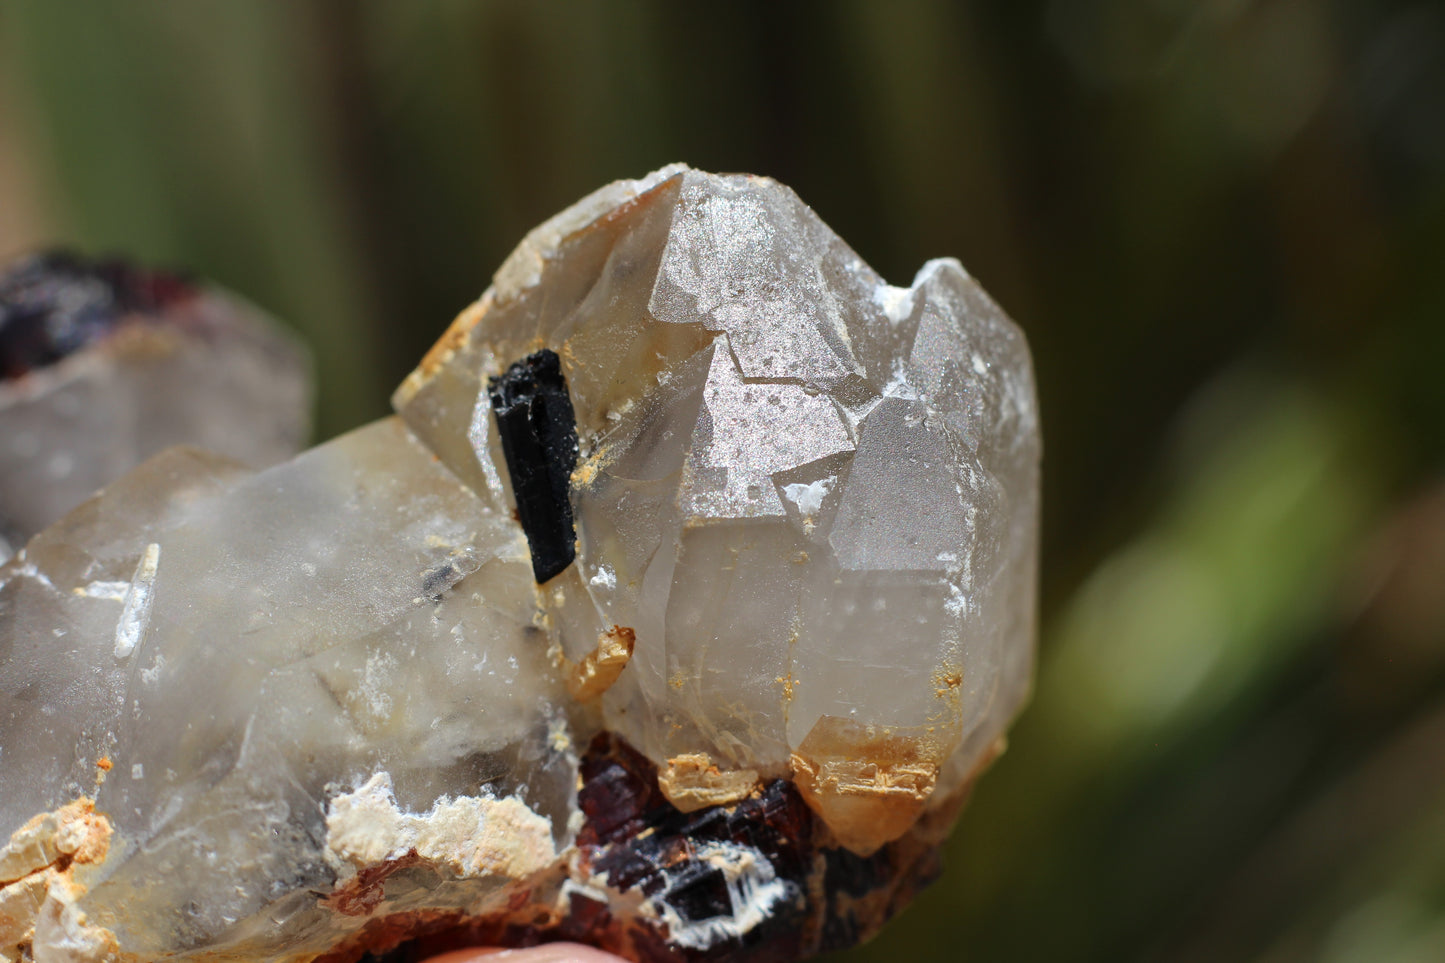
(539, 439)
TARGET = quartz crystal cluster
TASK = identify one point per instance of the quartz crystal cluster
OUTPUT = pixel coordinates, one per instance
(674, 612)
(104, 364)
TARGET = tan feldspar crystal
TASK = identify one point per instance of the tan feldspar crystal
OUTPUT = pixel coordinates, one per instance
(601, 667)
(339, 711)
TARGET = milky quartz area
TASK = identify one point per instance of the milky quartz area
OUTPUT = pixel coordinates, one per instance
(211, 370)
(811, 497)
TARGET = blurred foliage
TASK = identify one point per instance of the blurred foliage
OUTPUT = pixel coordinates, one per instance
(1221, 222)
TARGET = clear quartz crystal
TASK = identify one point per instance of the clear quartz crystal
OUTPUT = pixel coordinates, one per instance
(811, 497)
(198, 367)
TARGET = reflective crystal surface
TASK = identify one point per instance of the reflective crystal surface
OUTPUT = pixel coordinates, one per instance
(326, 707)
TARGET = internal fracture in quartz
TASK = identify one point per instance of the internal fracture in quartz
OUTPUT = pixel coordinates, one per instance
(784, 518)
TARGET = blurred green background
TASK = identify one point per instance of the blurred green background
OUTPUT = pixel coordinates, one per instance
(1220, 222)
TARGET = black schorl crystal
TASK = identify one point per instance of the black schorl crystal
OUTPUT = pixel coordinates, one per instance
(539, 439)
(55, 303)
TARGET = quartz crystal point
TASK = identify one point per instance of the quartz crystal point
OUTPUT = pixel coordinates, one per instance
(104, 364)
(327, 709)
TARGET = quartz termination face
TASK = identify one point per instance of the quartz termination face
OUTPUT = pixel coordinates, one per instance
(104, 364)
(676, 612)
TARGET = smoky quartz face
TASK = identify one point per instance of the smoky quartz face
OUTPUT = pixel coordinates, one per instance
(675, 612)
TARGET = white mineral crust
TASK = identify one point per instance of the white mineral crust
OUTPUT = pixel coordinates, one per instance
(812, 497)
